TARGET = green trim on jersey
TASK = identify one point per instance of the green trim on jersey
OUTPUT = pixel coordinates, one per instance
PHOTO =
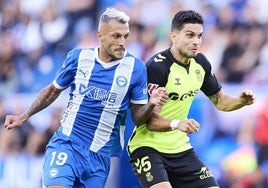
(182, 83)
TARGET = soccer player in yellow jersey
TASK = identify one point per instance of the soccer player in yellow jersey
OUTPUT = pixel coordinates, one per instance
(160, 151)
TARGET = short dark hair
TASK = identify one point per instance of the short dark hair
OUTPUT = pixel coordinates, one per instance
(184, 17)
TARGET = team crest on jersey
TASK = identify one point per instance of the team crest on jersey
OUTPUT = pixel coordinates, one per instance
(198, 75)
(121, 81)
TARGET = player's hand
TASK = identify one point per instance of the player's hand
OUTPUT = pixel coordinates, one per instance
(188, 126)
(247, 97)
(159, 96)
(13, 121)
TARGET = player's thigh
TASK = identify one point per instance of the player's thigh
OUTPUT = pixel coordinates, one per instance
(94, 172)
(190, 171)
(90, 168)
(148, 167)
(58, 168)
(162, 185)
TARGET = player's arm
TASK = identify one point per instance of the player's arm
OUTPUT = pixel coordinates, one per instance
(43, 100)
(141, 113)
(156, 122)
(221, 100)
(159, 123)
(226, 102)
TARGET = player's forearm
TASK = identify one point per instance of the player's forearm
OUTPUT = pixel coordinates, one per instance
(225, 102)
(154, 121)
(230, 104)
(141, 114)
(158, 123)
(43, 100)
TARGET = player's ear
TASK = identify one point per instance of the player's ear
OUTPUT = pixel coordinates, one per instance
(100, 36)
(172, 36)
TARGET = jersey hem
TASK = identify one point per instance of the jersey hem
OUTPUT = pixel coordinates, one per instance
(185, 148)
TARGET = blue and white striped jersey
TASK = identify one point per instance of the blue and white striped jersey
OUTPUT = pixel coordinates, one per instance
(100, 94)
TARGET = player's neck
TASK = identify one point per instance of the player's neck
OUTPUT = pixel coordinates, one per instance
(182, 59)
(103, 57)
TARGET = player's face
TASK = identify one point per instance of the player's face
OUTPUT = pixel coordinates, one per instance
(113, 38)
(187, 41)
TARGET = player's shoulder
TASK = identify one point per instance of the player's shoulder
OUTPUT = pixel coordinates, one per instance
(73, 56)
(138, 62)
(159, 57)
(75, 52)
(201, 59)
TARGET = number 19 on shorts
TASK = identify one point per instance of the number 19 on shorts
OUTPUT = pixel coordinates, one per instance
(58, 158)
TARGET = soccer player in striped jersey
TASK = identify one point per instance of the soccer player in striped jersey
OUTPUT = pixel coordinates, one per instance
(104, 82)
(160, 151)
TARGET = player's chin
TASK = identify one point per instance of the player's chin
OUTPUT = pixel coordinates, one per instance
(119, 56)
(193, 54)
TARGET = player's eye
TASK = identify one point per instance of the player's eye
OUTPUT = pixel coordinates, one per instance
(190, 35)
(126, 36)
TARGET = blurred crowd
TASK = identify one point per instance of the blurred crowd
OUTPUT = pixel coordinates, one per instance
(35, 37)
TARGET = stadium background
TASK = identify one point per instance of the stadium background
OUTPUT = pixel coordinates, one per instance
(36, 35)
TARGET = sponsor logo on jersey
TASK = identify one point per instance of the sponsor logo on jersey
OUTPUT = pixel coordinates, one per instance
(98, 93)
(175, 96)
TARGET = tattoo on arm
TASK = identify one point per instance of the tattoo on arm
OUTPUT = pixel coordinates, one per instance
(214, 99)
(44, 99)
(141, 113)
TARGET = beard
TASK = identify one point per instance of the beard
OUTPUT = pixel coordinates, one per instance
(188, 54)
(117, 54)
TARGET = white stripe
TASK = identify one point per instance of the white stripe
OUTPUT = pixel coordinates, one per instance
(57, 85)
(122, 135)
(145, 101)
(85, 62)
(109, 114)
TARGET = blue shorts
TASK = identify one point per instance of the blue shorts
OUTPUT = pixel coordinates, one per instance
(72, 165)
